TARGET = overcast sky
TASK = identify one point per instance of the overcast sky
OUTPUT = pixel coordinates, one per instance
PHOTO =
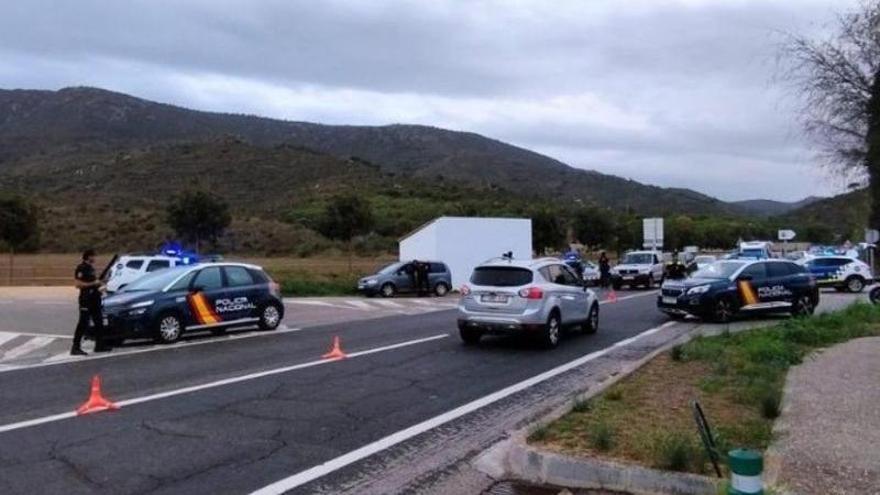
(678, 93)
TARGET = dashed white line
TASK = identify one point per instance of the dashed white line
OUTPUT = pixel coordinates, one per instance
(219, 383)
(342, 461)
(7, 336)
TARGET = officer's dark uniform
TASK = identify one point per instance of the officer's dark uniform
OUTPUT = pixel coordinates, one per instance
(89, 307)
(424, 278)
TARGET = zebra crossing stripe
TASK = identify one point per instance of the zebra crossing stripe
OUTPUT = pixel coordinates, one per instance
(6, 337)
(358, 304)
(31, 345)
(390, 304)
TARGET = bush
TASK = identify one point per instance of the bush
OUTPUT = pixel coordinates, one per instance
(582, 406)
(601, 436)
(676, 451)
(676, 353)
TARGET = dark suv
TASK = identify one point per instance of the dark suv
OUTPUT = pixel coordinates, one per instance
(212, 296)
(723, 289)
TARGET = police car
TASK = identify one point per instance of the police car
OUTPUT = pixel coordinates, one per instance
(212, 296)
(725, 288)
(841, 272)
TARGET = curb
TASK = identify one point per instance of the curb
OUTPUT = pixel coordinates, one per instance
(537, 466)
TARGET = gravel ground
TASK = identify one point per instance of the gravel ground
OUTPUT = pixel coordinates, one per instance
(829, 432)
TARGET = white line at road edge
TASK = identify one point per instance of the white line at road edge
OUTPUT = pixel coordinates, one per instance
(220, 383)
(342, 461)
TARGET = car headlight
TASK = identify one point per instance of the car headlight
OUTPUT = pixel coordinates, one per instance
(700, 289)
(139, 308)
(371, 281)
(137, 311)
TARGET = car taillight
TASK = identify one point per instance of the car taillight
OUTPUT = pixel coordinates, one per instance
(465, 290)
(531, 293)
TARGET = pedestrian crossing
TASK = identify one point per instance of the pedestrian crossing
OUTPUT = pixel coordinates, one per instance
(376, 305)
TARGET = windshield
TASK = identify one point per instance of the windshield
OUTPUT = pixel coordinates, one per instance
(638, 259)
(392, 268)
(156, 280)
(753, 253)
(718, 270)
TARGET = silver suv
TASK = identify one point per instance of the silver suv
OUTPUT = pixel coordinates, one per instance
(534, 297)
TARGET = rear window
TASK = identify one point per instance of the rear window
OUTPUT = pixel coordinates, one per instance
(501, 276)
(134, 264)
(158, 265)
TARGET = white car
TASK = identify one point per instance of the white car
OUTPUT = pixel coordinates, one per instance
(128, 268)
(841, 272)
(591, 273)
(643, 268)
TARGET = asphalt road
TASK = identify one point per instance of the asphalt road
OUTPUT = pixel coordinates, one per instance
(236, 415)
(239, 436)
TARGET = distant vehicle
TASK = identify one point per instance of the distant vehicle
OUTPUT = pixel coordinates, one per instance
(755, 250)
(127, 268)
(726, 288)
(537, 298)
(214, 296)
(704, 260)
(591, 273)
(395, 279)
(841, 272)
(638, 268)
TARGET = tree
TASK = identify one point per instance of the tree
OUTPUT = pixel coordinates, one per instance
(594, 227)
(345, 218)
(548, 230)
(19, 227)
(197, 216)
(838, 80)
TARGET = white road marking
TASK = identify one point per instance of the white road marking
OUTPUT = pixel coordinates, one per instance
(219, 383)
(56, 360)
(31, 345)
(389, 304)
(344, 460)
(308, 302)
(358, 304)
(38, 334)
(53, 303)
(7, 336)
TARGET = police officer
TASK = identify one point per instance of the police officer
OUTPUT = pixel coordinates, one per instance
(424, 278)
(90, 289)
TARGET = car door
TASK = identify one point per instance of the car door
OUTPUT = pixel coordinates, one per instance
(242, 294)
(403, 279)
(751, 283)
(207, 288)
(779, 285)
(580, 308)
(562, 279)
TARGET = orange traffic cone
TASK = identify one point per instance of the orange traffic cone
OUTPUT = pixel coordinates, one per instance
(96, 402)
(612, 297)
(335, 351)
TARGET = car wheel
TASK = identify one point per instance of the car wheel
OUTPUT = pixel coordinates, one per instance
(470, 336)
(592, 324)
(388, 290)
(270, 317)
(803, 306)
(723, 310)
(169, 328)
(855, 284)
(441, 289)
(551, 332)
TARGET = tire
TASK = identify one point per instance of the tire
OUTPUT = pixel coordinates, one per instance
(388, 290)
(723, 310)
(441, 289)
(803, 306)
(169, 328)
(855, 284)
(470, 336)
(875, 295)
(592, 324)
(550, 334)
(270, 316)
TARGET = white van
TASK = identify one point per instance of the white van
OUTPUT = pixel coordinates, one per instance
(129, 267)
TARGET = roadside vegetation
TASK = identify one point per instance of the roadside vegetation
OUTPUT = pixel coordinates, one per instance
(737, 378)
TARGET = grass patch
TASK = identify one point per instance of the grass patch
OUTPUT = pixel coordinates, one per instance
(306, 287)
(738, 379)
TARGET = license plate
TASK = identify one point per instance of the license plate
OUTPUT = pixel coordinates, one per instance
(492, 298)
(628, 277)
(669, 300)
